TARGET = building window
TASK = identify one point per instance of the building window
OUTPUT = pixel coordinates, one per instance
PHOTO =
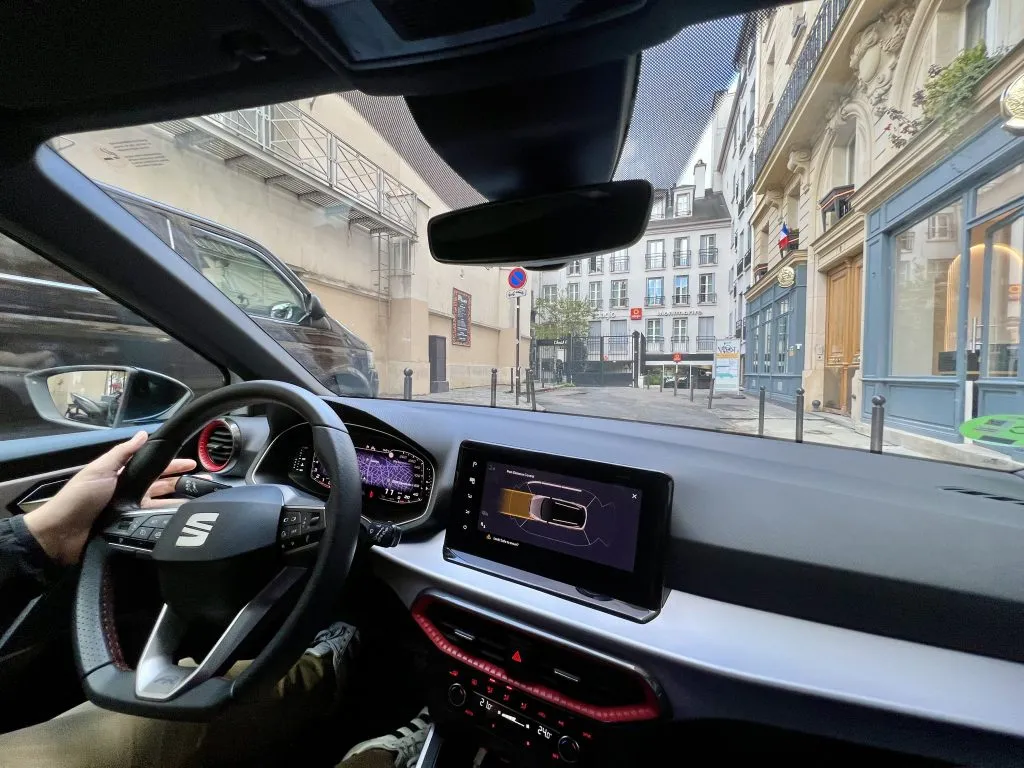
(655, 296)
(655, 254)
(705, 334)
(976, 23)
(658, 209)
(681, 291)
(925, 301)
(619, 261)
(573, 268)
(620, 294)
(708, 251)
(595, 265)
(549, 293)
(905, 241)
(679, 332)
(594, 329)
(596, 302)
(681, 253)
(781, 340)
(683, 204)
(654, 329)
(706, 289)
(572, 291)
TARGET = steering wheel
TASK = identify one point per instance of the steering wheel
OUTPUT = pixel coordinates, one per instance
(240, 559)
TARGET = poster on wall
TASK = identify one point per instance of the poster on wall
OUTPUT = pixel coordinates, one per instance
(727, 366)
(462, 318)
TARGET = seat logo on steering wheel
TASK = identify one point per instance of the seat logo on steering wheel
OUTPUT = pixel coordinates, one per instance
(196, 529)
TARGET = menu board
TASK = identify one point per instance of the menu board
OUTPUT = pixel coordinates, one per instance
(462, 318)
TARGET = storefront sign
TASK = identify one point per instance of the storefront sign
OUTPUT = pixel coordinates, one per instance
(1012, 106)
(636, 313)
(462, 318)
(787, 276)
(676, 312)
(727, 366)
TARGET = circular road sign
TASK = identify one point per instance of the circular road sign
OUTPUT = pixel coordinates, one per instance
(677, 357)
(517, 278)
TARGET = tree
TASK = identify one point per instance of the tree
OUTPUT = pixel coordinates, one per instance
(561, 317)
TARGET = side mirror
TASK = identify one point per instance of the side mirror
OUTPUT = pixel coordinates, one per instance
(101, 397)
(315, 309)
(286, 312)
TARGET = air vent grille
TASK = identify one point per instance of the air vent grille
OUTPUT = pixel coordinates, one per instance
(984, 495)
(217, 445)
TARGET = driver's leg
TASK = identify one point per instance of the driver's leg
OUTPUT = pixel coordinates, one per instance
(90, 737)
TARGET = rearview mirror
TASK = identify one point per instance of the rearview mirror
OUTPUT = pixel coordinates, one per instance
(101, 397)
(545, 230)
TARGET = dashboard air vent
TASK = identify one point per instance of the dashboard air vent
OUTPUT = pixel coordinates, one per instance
(217, 445)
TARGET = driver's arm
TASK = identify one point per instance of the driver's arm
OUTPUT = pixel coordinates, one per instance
(35, 547)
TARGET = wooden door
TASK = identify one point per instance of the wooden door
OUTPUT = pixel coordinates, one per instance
(842, 333)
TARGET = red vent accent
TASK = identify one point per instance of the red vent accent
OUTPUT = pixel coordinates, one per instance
(650, 710)
(216, 446)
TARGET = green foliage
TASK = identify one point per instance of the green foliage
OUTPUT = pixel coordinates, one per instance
(947, 96)
(562, 317)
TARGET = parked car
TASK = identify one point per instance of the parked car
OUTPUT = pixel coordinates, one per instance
(50, 318)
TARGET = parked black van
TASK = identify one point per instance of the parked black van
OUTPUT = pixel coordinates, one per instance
(50, 318)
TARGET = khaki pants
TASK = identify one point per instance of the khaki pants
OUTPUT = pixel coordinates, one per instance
(90, 737)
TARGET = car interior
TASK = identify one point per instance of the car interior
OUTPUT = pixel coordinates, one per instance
(758, 599)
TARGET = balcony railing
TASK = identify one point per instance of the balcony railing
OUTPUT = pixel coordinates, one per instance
(746, 260)
(656, 300)
(705, 343)
(655, 262)
(708, 256)
(680, 259)
(655, 343)
(818, 36)
(619, 265)
(680, 299)
(620, 303)
(707, 298)
(680, 343)
(597, 304)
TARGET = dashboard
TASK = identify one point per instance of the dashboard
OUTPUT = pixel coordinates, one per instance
(877, 600)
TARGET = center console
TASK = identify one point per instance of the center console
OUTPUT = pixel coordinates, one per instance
(587, 531)
(532, 698)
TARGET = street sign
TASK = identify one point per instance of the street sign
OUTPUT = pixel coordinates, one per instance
(517, 278)
(515, 293)
(677, 357)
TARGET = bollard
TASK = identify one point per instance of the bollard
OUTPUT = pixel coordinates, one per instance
(760, 413)
(675, 384)
(518, 385)
(800, 415)
(693, 383)
(529, 377)
(711, 393)
(407, 391)
(494, 387)
(533, 391)
(877, 422)
(661, 380)
(511, 380)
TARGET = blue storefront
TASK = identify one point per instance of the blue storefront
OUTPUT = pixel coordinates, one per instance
(942, 330)
(775, 334)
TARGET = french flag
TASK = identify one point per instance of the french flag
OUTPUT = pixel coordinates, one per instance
(783, 237)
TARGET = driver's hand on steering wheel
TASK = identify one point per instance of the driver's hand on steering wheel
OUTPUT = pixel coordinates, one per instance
(62, 524)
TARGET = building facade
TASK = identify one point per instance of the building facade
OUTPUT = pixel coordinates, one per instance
(670, 286)
(904, 239)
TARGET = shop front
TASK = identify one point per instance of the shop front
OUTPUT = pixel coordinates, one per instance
(943, 317)
(776, 309)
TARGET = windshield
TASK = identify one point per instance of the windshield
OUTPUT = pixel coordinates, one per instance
(833, 253)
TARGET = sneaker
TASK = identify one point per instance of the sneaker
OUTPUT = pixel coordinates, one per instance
(406, 742)
(340, 640)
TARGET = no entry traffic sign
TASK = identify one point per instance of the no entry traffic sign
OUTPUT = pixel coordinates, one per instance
(517, 278)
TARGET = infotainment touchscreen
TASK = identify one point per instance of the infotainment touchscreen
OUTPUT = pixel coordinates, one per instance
(572, 515)
(598, 529)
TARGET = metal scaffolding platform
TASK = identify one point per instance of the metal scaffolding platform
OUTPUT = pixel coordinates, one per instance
(287, 148)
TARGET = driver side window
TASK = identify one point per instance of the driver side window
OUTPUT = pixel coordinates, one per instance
(242, 275)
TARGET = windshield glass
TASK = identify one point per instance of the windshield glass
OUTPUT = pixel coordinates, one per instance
(833, 253)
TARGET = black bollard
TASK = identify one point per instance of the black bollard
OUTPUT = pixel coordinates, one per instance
(529, 376)
(661, 381)
(531, 382)
(407, 391)
(877, 422)
(800, 415)
(494, 387)
(711, 393)
(693, 383)
(760, 413)
(511, 380)
(675, 384)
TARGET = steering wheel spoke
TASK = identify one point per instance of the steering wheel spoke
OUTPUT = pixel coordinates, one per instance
(301, 528)
(160, 678)
(138, 532)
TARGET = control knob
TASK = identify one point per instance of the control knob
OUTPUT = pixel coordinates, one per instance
(456, 695)
(568, 749)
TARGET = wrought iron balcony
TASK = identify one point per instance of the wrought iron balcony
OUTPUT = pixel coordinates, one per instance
(825, 23)
(680, 343)
(705, 343)
(680, 259)
(655, 343)
(622, 302)
(656, 300)
(707, 298)
(619, 265)
(746, 260)
(680, 299)
(708, 256)
(597, 304)
(655, 262)
(288, 148)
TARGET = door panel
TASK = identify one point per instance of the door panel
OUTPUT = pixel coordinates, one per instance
(842, 334)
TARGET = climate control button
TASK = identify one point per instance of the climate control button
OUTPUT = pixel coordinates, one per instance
(456, 695)
(568, 749)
